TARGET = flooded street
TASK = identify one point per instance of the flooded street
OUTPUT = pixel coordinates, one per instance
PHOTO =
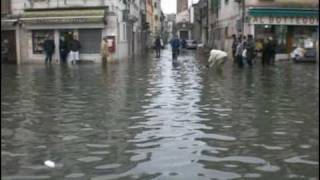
(149, 119)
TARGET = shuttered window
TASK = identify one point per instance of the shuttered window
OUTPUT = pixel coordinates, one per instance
(5, 7)
(90, 40)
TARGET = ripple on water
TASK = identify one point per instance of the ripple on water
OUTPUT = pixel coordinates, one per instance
(269, 147)
(268, 168)
(98, 145)
(108, 166)
(218, 137)
(299, 160)
(252, 175)
(90, 159)
(75, 175)
(242, 159)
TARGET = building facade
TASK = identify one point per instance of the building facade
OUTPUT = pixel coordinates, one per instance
(121, 21)
(182, 5)
(183, 23)
(289, 22)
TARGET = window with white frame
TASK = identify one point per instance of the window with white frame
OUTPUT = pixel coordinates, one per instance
(123, 30)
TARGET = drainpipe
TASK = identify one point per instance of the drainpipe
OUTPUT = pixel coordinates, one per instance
(243, 15)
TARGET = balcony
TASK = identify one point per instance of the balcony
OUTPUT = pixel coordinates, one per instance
(128, 17)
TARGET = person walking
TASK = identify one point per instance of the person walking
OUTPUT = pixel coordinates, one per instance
(272, 51)
(234, 47)
(250, 47)
(74, 47)
(105, 50)
(265, 52)
(175, 45)
(48, 47)
(157, 45)
(239, 52)
(63, 50)
(269, 52)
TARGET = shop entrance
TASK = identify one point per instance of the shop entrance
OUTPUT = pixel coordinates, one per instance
(8, 47)
(184, 35)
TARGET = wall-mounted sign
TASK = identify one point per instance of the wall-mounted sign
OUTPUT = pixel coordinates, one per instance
(65, 20)
(304, 21)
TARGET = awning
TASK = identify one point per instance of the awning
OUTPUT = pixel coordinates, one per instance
(284, 16)
(284, 12)
(8, 23)
(64, 17)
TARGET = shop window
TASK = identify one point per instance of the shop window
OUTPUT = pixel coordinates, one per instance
(90, 40)
(38, 38)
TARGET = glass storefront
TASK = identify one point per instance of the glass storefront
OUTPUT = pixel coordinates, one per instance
(287, 37)
(38, 38)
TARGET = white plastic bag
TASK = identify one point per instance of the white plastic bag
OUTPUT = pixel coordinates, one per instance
(244, 53)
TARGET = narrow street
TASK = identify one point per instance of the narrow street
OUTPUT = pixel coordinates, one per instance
(149, 119)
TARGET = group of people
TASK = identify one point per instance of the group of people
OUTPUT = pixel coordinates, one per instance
(67, 49)
(245, 50)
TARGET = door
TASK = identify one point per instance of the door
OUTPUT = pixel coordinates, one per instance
(8, 42)
(184, 35)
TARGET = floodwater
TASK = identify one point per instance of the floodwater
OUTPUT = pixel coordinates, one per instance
(150, 119)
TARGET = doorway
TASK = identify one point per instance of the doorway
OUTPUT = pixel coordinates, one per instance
(8, 47)
(184, 35)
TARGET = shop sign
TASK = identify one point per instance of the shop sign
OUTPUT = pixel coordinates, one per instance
(305, 21)
(75, 20)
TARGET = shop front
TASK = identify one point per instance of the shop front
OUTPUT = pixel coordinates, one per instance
(88, 26)
(289, 27)
(9, 46)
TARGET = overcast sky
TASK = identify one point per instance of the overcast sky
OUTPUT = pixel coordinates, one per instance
(170, 6)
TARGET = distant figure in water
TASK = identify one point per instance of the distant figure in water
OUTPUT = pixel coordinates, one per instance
(217, 58)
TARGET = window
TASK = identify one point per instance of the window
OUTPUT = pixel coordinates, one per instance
(226, 32)
(90, 40)
(123, 30)
(38, 38)
(5, 7)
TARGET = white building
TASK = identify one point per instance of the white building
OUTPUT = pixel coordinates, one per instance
(32, 20)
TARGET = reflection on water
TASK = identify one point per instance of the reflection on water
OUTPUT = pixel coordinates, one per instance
(151, 119)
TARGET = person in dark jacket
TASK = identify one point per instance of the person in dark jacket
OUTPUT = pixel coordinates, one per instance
(175, 45)
(265, 53)
(157, 45)
(269, 52)
(272, 51)
(63, 50)
(234, 47)
(74, 47)
(250, 46)
(48, 47)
